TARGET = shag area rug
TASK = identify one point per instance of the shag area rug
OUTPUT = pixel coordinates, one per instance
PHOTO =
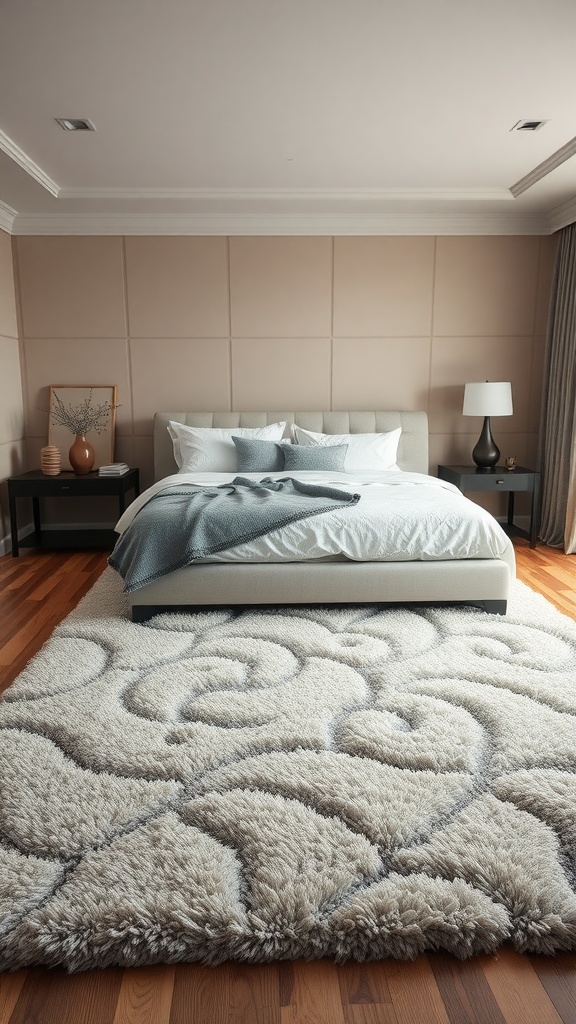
(355, 782)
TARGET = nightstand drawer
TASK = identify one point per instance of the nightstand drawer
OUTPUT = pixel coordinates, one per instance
(52, 488)
(506, 481)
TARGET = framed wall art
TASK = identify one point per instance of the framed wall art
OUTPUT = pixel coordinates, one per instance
(83, 411)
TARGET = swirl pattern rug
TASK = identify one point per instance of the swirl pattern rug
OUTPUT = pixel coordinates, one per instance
(357, 782)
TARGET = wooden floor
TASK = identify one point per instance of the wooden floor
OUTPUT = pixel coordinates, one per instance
(36, 591)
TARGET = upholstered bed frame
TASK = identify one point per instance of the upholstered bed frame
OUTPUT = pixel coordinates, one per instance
(473, 581)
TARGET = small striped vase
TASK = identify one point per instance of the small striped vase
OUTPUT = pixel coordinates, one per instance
(50, 462)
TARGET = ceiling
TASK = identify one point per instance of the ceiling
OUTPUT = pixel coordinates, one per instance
(293, 117)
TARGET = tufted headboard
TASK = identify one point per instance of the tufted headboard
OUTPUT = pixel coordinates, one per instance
(412, 450)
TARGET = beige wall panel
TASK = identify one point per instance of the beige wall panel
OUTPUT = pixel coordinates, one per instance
(144, 459)
(489, 293)
(383, 286)
(450, 450)
(288, 374)
(537, 378)
(8, 324)
(96, 362)
(548, 250)
(380, 373)
(523, 446)
(71, 287)
(486, 285)
(178, 375)
(11, 413)
(458, 360)
(124, 451)
(281, 287)
(177, 287)
(528, 443)
(33, 448)
(12, 458)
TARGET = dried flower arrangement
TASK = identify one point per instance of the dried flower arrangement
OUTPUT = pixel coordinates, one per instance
(84, 413)
(79, 419)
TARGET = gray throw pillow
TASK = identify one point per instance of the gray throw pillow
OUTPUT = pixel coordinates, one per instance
(318, 457)
(255, 456)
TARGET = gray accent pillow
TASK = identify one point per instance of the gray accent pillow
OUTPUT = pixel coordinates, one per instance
(255, 456)
(318, 457)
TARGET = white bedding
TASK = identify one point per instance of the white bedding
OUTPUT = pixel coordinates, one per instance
(400, 517)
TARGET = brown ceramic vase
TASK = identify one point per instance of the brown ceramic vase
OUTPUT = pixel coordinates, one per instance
(81, 455)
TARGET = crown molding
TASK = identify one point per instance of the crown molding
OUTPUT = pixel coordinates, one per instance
(255, 195)
(281, 224)
(543, 169)
(7, 217)
(562, 215)
(27, 164)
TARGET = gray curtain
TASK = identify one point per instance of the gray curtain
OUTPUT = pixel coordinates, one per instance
(558, 422)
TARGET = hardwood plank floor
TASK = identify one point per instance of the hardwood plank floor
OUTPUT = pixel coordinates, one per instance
(36, 591)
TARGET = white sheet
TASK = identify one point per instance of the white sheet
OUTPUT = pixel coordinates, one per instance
(400, 517)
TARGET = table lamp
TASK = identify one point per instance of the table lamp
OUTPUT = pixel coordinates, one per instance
(487, 398)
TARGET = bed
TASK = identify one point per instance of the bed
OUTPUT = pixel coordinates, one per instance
(483, 581)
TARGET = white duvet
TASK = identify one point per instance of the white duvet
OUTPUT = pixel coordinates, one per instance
(400, 517)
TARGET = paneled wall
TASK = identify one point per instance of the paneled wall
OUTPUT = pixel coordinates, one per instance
(12, 448)
(287, 323)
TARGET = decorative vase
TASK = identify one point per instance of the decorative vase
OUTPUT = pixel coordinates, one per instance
(50, 462)
(81, 455)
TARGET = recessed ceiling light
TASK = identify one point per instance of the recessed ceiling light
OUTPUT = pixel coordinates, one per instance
(528, 125)
(75, 124)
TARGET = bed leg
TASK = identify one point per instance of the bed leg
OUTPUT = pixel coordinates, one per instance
(495, 607)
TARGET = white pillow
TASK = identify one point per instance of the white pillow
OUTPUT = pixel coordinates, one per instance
(367, 453)
(211, 449)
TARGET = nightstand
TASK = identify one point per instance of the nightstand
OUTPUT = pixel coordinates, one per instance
(468, 478)
(36, 485)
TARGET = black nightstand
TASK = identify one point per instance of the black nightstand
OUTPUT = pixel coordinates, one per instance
(36, 485)
(468, 478)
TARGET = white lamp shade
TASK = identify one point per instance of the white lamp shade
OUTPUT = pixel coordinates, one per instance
(488, 398)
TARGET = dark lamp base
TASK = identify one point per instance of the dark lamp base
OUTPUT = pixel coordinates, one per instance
(486, 453)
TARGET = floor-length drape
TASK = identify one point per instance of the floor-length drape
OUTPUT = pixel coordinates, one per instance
(570, 528)
(558, 423)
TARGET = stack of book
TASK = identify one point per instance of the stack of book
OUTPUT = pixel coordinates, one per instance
(115, 469)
